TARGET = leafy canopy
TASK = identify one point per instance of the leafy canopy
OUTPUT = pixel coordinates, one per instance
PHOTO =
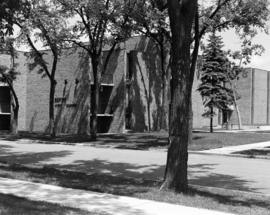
(100, 23)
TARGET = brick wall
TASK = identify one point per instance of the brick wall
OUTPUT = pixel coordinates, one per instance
(19, 84)
(73, 84)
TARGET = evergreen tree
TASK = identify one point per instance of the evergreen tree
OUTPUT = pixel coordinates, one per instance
(215, 94)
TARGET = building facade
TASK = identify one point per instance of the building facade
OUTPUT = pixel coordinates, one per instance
(130, 93)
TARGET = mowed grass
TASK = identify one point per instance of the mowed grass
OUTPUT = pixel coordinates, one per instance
(148, 140)
(11, 205)
(204, 141)
(210, 198)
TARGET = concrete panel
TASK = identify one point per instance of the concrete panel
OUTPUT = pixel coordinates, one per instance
(260, 97)
(147, 91)
(244, 90)
(21, 89)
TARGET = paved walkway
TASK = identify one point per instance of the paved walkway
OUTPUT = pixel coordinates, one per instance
(95, 202)
(206, 170)
(232, 149)
(236, 130)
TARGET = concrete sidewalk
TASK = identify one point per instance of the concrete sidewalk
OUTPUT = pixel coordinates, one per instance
(236, 173)
(232, 149)
(95, 202)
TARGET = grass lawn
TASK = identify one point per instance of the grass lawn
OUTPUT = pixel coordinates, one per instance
(145, 141)
(11, 205)
(214, 198)
(204, 141)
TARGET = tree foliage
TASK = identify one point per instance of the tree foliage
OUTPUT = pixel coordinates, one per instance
(8, 9)
(44, 24)
(246, 17)
(8, 75)
(100, 23)
(213, 75)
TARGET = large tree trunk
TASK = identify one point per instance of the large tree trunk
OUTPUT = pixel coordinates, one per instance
(15, 108)
(163, 114)
(211, 119)
(14, 120)
(94, 99)
(181, 15)
(15, 113)
(238, 116)
(52, 127)
(148, 109)
(237, 110)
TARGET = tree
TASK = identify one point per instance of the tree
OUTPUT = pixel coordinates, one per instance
(181, 13)
(44, 23)
(101, 23)
(213, 75)
(246, 16)
(8, 11)
(8, 75)
(8, 8)
(153, 23)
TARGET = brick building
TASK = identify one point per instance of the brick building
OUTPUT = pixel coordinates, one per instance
(129, 96)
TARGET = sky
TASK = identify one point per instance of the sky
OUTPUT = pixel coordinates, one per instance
(261, 62)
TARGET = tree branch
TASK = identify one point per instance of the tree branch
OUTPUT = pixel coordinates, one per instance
(206, 25)
(37, 53)
(80, 44)
(45, 34)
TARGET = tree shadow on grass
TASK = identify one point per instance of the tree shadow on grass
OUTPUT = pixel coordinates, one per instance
(134, 141)
(119, 169)
(73, 198)
(31, 158)
(94, 181)
(139, 141)
(222, 181)
(10, 204)
(231, 197)
(200, 174)
(5, 148)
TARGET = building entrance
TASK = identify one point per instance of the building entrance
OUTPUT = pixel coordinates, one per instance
(5, 112)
